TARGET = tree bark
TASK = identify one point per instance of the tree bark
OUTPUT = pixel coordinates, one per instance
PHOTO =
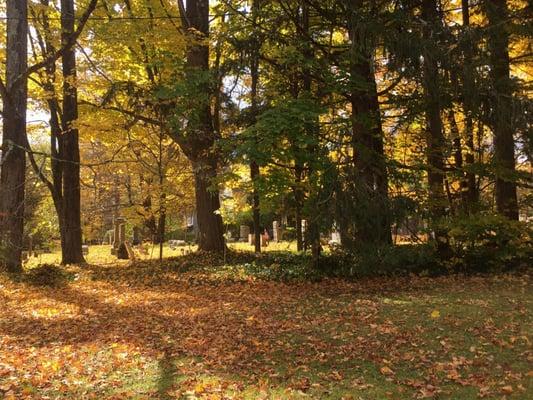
(313, 230)
(472, 196)
(434, 134)
(256, 210)
(254, 167)
(198, 142)
(298, 200)
(210, 230)
(502, 119)
(13, 161)
(72, 250)
(367, 139)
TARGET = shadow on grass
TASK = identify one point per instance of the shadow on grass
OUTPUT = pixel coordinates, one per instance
(45, 275)
(167, 374)
(290, 335)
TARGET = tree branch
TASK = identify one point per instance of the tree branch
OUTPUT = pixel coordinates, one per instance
(68, 45)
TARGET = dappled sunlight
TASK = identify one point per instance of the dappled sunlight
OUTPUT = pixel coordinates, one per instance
(90, 340)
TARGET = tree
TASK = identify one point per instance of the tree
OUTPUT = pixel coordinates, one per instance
(64, 184)
(472, 195)
(370, 172)
(433, 109)
(197, 139)
(501, 101)
(71, 249)
(13, 161)
(255, 48)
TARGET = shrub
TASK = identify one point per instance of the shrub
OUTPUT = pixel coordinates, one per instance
(486, 242)
(383, 260)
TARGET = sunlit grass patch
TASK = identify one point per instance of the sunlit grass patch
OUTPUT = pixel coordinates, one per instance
(172, 338)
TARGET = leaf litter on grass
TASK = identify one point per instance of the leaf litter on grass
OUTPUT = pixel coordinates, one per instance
(181, 338)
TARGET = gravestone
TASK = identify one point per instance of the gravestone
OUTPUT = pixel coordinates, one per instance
(244, 233)
(116, 232)
(85, 249)
(251, 240)
(174, 243)
(119, 237)
(335, 239)
(277, 231)
(122, 252)
(136, 239)
(129, 250)
(122, 233)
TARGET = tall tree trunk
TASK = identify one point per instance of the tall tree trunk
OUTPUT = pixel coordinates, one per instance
(313, 230)
(434, 135)
(502, 119)
(161, 234)
(256, 211)
(72, 251)
(210, 230)
(472, 196)
(254, 167)
(458, 162)
(198, 142)
(298, 200)
(13, 162)
(367, 138)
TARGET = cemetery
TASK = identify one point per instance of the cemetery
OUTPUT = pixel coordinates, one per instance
(266, 200)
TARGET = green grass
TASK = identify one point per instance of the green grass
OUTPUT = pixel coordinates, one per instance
(101, 254)
(195, 333)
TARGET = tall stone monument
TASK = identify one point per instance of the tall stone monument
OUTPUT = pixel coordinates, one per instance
(304, 229)
(277, 231)
(119, 233)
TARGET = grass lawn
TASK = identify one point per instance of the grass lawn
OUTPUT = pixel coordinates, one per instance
(162, 333)
(101, 254)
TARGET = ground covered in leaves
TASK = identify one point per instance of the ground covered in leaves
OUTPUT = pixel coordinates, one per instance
(176, 332)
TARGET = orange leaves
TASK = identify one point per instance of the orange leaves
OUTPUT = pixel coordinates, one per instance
(508, 389)
(209, 339)
(386, 371)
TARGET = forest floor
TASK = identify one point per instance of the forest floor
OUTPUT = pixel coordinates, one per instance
(119, 332)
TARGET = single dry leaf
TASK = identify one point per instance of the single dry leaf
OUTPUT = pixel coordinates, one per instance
(386, 371)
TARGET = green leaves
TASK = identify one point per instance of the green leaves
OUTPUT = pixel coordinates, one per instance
(283, 134)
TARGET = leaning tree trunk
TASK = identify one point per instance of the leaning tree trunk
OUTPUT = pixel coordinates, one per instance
(198, 142)
(502, 119)
(13, 161)
(72, 250)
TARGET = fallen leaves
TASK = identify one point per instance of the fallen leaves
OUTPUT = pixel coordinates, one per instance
(386, 371)
(98, 339)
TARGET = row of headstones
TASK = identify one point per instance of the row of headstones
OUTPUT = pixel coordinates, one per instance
(277, 233)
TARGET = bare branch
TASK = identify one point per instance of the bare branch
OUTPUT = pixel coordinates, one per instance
(68, 45)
